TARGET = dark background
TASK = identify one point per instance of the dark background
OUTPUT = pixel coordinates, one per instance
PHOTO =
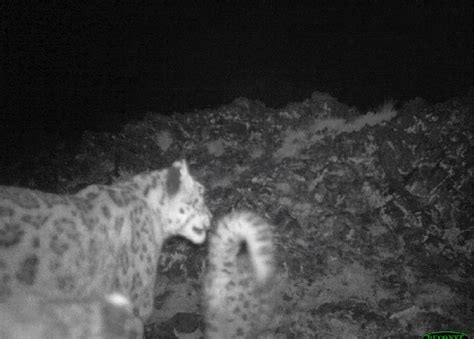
(67, 67)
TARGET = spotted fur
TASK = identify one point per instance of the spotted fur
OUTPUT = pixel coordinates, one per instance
(100, 240)
(237, 297)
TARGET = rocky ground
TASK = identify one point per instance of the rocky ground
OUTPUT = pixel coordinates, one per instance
(373, 211)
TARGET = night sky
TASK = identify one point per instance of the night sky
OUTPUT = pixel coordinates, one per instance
(67, 66)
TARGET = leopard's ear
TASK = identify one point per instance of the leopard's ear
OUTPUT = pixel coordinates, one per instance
(178, 177)
(173, 179)
(182, 165)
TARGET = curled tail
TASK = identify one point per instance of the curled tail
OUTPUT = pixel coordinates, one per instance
(232, 231)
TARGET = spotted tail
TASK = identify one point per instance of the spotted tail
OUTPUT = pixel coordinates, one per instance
(243, 227)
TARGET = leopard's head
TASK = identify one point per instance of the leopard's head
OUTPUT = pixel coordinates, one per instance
(183, 209)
